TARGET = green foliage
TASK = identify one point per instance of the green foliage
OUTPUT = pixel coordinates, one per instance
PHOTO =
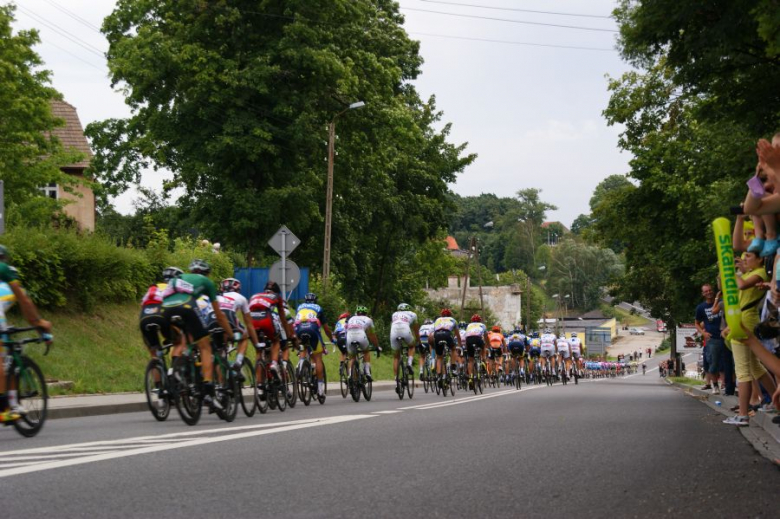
(255, 85)
(30, 157)
(65, 268)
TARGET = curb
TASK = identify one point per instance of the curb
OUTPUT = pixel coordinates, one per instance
(56, 412)
(762, 433)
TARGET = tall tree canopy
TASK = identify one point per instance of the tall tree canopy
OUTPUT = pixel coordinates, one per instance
(234, 98)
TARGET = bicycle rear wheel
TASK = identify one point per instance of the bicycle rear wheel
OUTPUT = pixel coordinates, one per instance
(32, 397)
(354, 381)
(248, 388)
(304, 382)
(321, 398)
(187, 394)
(292, 385)
(280, 386)
(410, 383)
(155, 386)
(343, 380)
(425, 377)
(261, 387)
(368, 388)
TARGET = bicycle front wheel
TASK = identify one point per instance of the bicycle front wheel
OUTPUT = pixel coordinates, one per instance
(368, 388)
(248, 396)
(155, 385)
(321, 398)
(262, 393)
(343, 380)
(292, 385)
(32, 397)
(305, 383)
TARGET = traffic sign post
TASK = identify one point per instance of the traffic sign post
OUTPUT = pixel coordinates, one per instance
(285, 272)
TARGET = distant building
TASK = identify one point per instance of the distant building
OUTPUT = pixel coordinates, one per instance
(551, 231)
(452, 248)
(71, 135)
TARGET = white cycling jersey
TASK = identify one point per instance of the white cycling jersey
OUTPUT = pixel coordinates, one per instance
(425, 331)
(547, 339)
(401, 328)
(563, 347)
(233, 302)
(575, 344)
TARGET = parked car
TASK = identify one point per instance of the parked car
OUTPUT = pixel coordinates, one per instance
(636, 331)
(660, 326)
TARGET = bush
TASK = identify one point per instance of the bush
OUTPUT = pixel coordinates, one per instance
(666, 344)
(67, 268)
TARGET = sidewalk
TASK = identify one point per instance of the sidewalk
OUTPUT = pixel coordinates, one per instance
(762, 433)
(96, 405)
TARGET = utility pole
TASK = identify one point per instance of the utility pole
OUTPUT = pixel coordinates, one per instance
(479, 273)
(328, 205)
(465, 285)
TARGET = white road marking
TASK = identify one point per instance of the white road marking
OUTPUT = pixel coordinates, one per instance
(385, 412)
(191, 443)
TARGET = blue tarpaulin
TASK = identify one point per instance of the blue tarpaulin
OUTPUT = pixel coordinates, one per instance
(253, 280)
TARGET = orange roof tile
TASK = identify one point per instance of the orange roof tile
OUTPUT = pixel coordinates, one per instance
(72, 134)
(452, 244)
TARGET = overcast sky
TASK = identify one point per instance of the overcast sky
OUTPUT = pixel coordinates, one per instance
(530, 109)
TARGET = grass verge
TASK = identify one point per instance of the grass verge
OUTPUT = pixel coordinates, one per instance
(102, 351)
(687, 381)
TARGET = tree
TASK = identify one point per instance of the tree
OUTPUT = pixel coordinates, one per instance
(581, 224)
(234, 98)
(30, 156)
(611, 183)
(724, 51)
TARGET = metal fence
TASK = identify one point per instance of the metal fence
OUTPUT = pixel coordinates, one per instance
(253, 280)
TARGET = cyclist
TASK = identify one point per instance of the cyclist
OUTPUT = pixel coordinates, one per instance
(516, 343)
(644, 368)
(564, 354)
(309, 323)
(576, 350)
(476, 338)
(151, 320)
(180, 300)
(340, 337)
(547, 343)
(497, 345)
(233, 303)
(423, 347)
(404, 329)
(360, 331)
(268, 322)
(445, 331)
(10, 410)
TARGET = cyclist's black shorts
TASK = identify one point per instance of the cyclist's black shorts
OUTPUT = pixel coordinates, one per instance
(472, 343)
(311, 332)
(341, 343)
(152, 315)
(517, 348)
(192, 320)
(422, 348)
(494, 353)
(444, 336)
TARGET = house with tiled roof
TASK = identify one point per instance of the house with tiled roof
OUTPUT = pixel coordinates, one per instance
(452, 248)
(71, 135)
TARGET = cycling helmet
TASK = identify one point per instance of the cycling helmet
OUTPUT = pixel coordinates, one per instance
(171, 272)
(310, 297)
(273, 287)
(4, 255)
(345, 315)
(361, 310)
(403, 307)
(573, 335)
(199, 266)
(428, 321)
(496, 329)
(230, 285)
(476, 318)
(446, 312)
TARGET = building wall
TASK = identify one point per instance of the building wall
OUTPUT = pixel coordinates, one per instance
(505, 302)
(82, 208)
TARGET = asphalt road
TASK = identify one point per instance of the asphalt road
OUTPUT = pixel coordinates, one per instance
(630, 447)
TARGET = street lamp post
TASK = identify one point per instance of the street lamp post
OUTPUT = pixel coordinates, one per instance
(329, 192)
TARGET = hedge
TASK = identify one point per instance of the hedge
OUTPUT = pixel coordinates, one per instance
(62, 268)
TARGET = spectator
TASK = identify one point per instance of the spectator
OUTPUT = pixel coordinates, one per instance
(751, 294)
(709, 315)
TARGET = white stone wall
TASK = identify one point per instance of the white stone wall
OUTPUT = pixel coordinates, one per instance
(505, 302)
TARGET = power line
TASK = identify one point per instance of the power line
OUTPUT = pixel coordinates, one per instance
(62, 32)
(73, 15)
(524, 22)
(517, 10)
(530, 44)
(74, 55)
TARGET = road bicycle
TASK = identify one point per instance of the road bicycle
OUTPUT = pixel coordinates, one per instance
(429, 367)
(24, 375)
(447, 380)
(160, 396)
(307, 375)
(404, 377)
(246, 381)
(359, 382)
(274, 387)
